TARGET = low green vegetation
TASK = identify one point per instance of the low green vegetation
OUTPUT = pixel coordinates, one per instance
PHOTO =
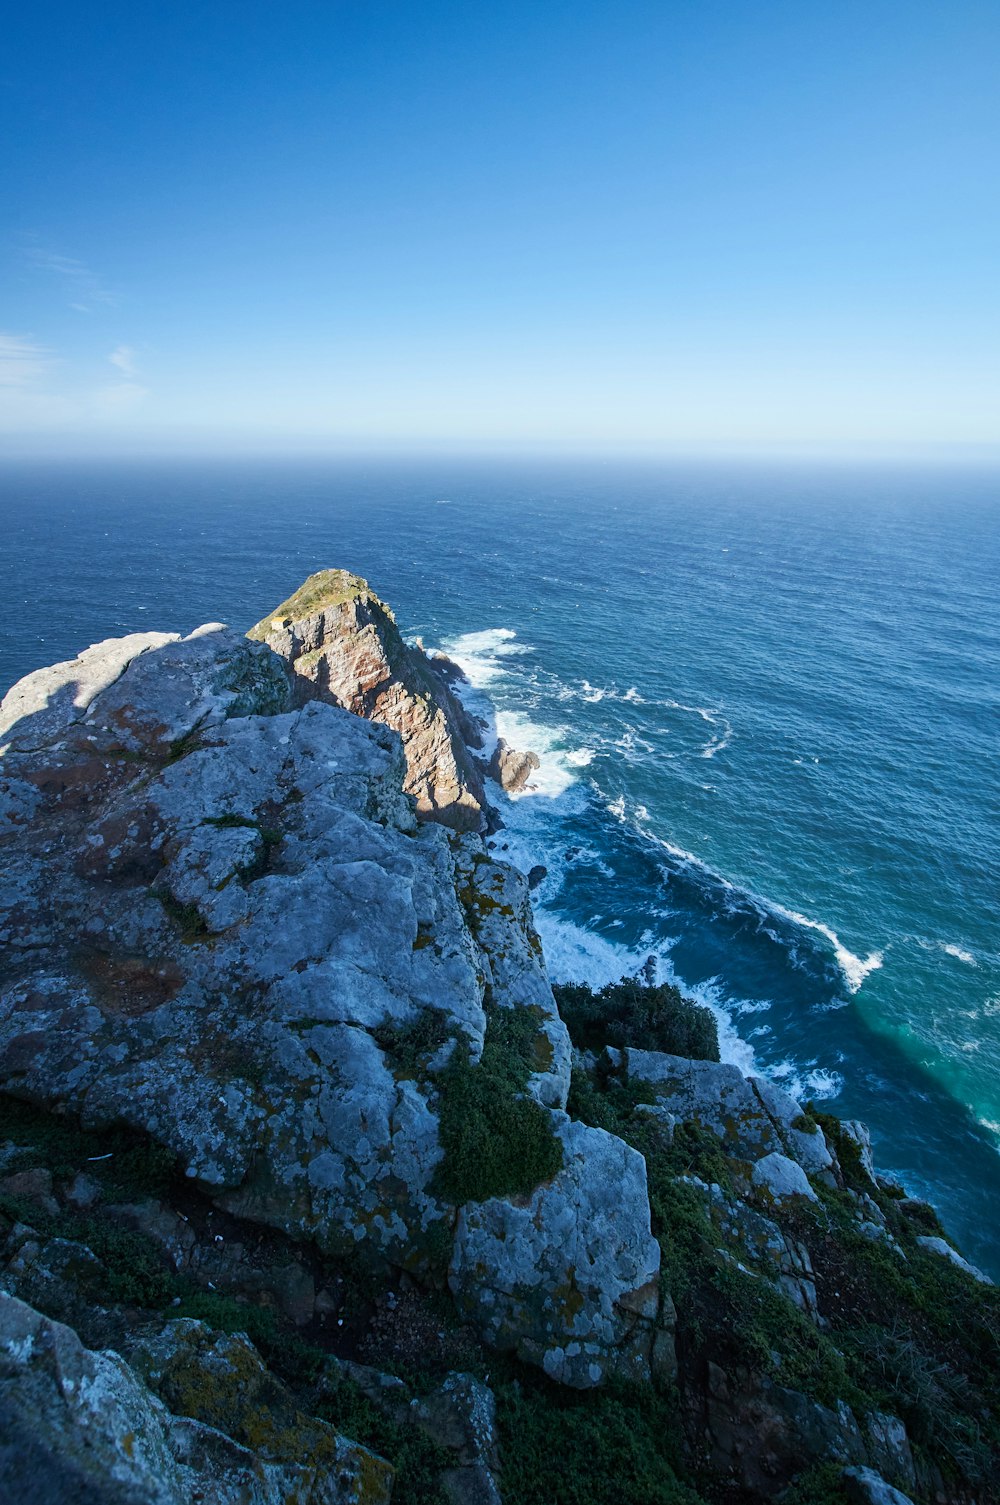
(632, 1013)
(564, 1447)
(187, 917)
(128, 1166)
(496, 1140)
(324, 589)
(412, 1043)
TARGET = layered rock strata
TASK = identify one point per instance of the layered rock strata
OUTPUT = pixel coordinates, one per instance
(342, 645)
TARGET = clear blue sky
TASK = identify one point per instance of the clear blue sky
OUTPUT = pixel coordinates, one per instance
(580, 225)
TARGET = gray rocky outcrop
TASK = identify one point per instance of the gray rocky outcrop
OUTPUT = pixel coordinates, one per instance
(586, 1301)
(224, 928)
(940, 1246)
(342, 645)
(752, 1118)
(79, 1427)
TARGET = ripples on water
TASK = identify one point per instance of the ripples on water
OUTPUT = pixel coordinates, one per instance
(766, 705)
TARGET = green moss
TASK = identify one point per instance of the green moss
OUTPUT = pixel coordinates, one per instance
(647, 1018)
(411, 1043)
(187, 917)
(327, 588)
(496, 1141)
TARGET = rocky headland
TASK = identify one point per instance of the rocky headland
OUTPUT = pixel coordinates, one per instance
(312, 1187)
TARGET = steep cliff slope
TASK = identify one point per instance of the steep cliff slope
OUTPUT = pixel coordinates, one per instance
(229, 932)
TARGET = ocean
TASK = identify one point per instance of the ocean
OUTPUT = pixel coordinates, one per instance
(765, 700)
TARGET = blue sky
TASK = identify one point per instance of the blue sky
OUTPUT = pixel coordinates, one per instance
(677, 226)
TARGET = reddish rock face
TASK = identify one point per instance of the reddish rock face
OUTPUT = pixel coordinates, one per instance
(342, 645)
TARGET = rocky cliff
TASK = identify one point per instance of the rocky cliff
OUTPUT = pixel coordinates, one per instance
(279, 1057)
(342, 645)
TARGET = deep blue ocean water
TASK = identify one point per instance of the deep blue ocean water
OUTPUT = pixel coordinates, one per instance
(766, 702)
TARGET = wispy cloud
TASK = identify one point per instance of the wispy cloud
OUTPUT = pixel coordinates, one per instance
(123, 356)
(40, 393)
(86, 290)
(22, 362)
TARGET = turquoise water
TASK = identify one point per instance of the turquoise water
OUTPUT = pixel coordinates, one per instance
(766, 703)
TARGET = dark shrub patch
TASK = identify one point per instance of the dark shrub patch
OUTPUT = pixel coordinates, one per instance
(632, 1013)
(565, 1448)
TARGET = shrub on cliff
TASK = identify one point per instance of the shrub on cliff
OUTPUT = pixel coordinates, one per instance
(497, 1142)
(632, 1013)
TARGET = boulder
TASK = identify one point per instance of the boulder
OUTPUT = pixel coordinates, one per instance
(510, 768)
(751, 1116)
(778, 1179)
(863, 1486)
(568, 1276)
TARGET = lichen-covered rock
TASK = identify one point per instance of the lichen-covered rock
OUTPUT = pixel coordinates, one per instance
(138, 694)
(342, 644)
(81, 1428)
(777, 1179)
(941, 1247)
(220, 1381)
(751, 1116)
(781, 1259)
(567, 1276)
(229, 932)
